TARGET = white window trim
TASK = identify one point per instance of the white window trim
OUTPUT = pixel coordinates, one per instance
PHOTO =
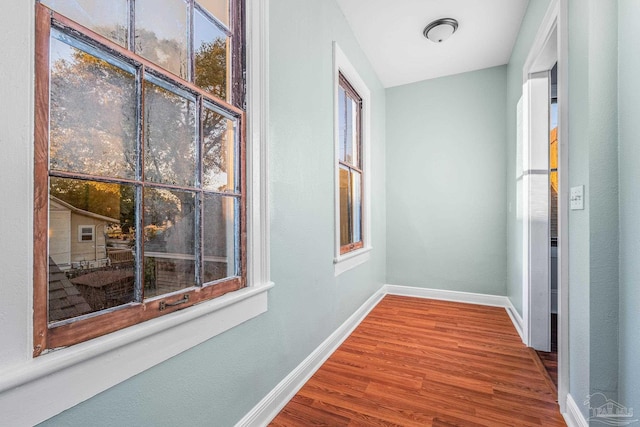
(98, 364)
(341, 64)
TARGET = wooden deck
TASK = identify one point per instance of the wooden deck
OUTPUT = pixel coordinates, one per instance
(420, 362)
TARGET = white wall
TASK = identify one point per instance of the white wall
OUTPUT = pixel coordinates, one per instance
(16, 181)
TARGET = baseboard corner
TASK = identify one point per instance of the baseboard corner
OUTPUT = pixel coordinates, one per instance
(516, 319)
(446, 295)
(573, 416)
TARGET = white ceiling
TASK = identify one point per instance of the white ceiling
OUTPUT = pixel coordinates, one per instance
(390, 33)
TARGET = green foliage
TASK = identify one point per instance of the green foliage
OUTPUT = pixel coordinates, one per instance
(211, 68)
(96, 197)
(93, 128)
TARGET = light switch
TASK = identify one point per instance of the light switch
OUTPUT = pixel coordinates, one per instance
(577, 198)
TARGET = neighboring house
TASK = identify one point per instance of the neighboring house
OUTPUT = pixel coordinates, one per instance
(77, 237)
(553, 178)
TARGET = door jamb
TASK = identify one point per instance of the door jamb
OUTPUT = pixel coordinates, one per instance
(555, 22)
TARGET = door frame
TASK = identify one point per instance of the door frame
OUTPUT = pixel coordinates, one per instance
(550, 46)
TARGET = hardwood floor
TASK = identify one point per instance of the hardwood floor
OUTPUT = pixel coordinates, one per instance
(420, 362)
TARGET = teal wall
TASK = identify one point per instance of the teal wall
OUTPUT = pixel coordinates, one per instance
(603, 201)
(529, 28)
(629, 136)
(579, 295)
(593, 162)
(446, 193)
(219, 381)
(444, 216)
(593, 233)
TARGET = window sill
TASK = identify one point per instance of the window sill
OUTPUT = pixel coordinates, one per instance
(101, 363)
(351, 260)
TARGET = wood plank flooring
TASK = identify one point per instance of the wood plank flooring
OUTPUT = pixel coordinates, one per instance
(550, 359)
(420, 362)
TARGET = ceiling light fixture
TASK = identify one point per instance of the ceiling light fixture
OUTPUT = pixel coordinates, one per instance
(440, 29)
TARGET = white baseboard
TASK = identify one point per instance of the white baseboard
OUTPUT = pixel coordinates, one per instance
(273, 402)
(467, 297)
(277, 398)
(516, 319)
(573, 416)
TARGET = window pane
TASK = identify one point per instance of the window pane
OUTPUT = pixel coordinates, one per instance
(218, 8)
(218, 153)
(342, 123)
(356, 206)
(352, 137)
(345, 207)
(92, 113)
(211, 49)
(349, 130)
(169, 245)
(170, 137)
(86, 233)
(93, 271)
(161, 34)
(220, 245)
(107, 18)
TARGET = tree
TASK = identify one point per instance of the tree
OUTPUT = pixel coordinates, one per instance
(93, 129)
(211, 67)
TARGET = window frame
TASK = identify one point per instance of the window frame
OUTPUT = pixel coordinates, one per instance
(96, 365)
(82, 234)
(349, 256)
(350, 166)
(51, 335)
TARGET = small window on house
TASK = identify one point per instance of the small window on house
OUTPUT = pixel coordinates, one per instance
(139, 127)
(350, 166)
(85, 233)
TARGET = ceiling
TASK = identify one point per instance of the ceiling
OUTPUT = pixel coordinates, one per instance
(390, 33)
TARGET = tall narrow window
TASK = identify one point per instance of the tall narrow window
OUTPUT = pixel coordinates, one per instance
(352, 112)
(350, 166)
(139, 147)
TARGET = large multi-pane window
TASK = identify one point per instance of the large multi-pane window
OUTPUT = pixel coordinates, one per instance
(350, 166)
(140, 189)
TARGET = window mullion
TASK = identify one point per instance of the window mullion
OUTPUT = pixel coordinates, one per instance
(350, 205)
(198, 233)
(139, 194)
(131, 43)
(238, 168)
(191, 42)
(238, 37)
(199, 209)
(345, 126)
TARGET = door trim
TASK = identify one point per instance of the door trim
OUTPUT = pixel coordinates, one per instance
(553, 31)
